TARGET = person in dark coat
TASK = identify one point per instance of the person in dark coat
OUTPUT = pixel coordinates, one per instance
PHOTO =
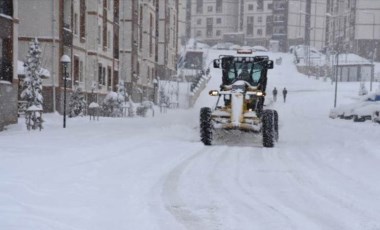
(275, 94)
(284, 92)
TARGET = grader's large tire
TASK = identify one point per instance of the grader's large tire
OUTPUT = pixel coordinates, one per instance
(206, 126)
(268, 128)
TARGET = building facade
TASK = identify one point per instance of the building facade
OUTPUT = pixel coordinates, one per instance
(8, 62)
(167, 38)
(366, 34)
(257, 22)
(108, 41)
(211, 19)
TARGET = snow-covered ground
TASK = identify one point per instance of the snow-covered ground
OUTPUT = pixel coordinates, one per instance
(154, 173)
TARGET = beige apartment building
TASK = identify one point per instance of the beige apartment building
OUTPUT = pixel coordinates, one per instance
(133, 41)
(148, 45)
(167, 37)
(257, 22)
(212, 19)
(82, 29)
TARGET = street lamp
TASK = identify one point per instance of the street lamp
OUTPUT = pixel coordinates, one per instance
(335, 43)
(155, 87)
(65, 60)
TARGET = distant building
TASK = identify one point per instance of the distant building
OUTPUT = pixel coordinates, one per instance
(148, 44)
(8, 62)
(366, 35)
(210, 19)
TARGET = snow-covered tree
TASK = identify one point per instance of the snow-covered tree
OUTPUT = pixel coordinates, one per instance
(77, 103)
(362, 89)
(32, 86)
(121, 90)
(113, 105)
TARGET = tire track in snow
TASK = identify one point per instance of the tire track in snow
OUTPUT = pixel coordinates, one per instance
(257, 212)
(201, 217)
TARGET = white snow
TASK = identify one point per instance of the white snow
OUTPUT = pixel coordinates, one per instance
(21, 70)
(154, 173)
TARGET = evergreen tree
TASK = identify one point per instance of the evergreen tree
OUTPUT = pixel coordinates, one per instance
(113, 102)
(32, 86)
(77, 103)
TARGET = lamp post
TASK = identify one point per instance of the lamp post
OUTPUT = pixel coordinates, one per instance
(155, 87)
(65, 60)
(336, 44)
(373, 51)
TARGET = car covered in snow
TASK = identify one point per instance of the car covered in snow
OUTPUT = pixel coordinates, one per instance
(365, 109)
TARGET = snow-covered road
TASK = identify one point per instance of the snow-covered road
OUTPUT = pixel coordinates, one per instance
(154, 173)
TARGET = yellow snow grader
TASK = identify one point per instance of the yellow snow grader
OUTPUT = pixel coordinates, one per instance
(240, 103)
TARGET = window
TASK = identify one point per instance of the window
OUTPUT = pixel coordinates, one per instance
(99, 35)
(209, 33)
(199, 6)
(218, 33)
(199, 33)
(76, 24)
(6, 7)
(209, 21)
(270, 6)
(109, 39)
(209, 27)
(109, 77)
(219, 21)
(250, 21)
(199, 21)
(250, 7)
(100, 74)
(260, 32)
(269, 25)
(76, 69)
(209, 9)
(150, 36)
(6, 69)
(81, 71)
(260, 19)
(219, 6)
(260, 4)
(82, 20)
(104, 29)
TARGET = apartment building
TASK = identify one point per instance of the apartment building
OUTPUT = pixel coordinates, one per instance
(365, 36)
(184, 22)
(256, 20)
(8, 62)
(138, 47)
(167, 35)
(211, 19)
(82, 29)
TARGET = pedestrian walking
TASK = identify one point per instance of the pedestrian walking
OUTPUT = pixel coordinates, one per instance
(284, 92)
(274, 94)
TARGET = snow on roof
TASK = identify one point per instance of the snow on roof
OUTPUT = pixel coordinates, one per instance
(260, 48)
(352, 59)
(21, 70)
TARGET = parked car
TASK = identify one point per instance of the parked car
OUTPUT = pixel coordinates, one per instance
(376, 117)
(366, 112)
(359, 111)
